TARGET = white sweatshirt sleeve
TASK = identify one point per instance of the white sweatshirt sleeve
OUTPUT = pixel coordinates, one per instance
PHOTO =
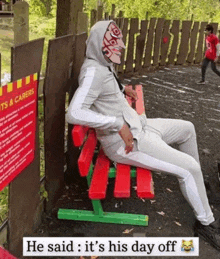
(79, 111)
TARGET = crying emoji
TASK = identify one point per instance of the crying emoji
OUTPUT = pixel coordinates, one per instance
(187, 246)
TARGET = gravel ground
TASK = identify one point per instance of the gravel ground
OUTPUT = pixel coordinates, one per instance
(169, 93)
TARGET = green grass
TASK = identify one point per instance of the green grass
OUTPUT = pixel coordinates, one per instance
(6, 42)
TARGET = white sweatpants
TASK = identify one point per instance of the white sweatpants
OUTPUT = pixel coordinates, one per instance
(153, 152)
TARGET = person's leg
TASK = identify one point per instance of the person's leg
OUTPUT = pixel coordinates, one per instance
(214, 69)
(176, 131)
(205, 63)
(153, 153)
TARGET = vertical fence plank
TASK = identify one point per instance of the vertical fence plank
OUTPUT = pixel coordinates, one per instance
(193, 39)
(113, 12)
(165, 42)
(184, 44)
(200, 45)
(24, 209)
(67, 15)
(21, 22)
(157, 41)
(120, 22)
(82, 24)
(76, 6)
(73, 152)
(124, 33)
(175, 32)
(93, 18)
(121, 14)
(57, 75)
(140, 45)
(130, 52)
(106, 16)
(100, 12)
(149, 44)
(215, 27)
(116, 21)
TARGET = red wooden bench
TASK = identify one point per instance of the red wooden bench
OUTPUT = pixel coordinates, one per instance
(98, 174)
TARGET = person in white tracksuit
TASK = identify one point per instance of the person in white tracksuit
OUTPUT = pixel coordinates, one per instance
(129, 138)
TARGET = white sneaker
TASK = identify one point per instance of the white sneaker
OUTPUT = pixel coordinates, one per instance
(201, 82)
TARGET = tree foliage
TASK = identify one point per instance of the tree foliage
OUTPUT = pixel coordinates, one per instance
(200, 10)
(42, 8)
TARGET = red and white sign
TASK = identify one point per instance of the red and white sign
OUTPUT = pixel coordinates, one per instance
(18, 102)
(5, 254)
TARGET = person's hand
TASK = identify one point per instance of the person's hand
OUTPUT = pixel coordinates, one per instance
(127, 137)
(131, 93)
(216, 59)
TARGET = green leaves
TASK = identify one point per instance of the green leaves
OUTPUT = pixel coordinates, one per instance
(202, 10)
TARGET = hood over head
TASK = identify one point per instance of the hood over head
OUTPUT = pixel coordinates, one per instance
(94, 42)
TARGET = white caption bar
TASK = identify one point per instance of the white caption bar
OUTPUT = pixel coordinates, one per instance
(103, 246)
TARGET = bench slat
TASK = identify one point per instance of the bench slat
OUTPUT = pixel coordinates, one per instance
(78, 135)
(99, 181)
(122, 181)
(86, 154)
(129, 98)
(144, 183)
(140, 102)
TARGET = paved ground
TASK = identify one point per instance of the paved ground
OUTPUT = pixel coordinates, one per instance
(169, 93)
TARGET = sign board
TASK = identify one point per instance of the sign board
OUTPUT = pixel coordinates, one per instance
(5, 254)
(18, 102)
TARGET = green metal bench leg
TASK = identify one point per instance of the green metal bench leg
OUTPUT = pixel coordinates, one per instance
(98, 215)
(107, 217)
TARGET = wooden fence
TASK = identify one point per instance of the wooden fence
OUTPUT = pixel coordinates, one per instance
(157, 42)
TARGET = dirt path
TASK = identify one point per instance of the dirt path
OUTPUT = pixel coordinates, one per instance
(169, 93)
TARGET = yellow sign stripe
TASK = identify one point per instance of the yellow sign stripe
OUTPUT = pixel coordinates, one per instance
(19, 83)
(27, 80)
(10, 87)
(35, 77)
(1, 91)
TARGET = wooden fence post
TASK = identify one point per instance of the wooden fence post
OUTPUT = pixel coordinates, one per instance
(100, 12)
(193, 38)
(165, 43)
(175, 31)
(130, 53)
(106, 16)
(21, 22)
(82, 24)
(67, 16)
(157, 41)
(184, 44)
(73, 152)
(24, 197)
(140, 45)
(124, 33)
(93, 18)
(121, 14)
(149, 44)
(113, 12)
(55, 87)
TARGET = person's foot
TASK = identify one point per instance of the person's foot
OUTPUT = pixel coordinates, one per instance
(210, 233)
(201, 82)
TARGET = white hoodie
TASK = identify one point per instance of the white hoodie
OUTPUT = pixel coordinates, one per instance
(98, 101)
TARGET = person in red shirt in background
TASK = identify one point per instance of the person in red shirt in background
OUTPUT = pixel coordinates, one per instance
(211, 54)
